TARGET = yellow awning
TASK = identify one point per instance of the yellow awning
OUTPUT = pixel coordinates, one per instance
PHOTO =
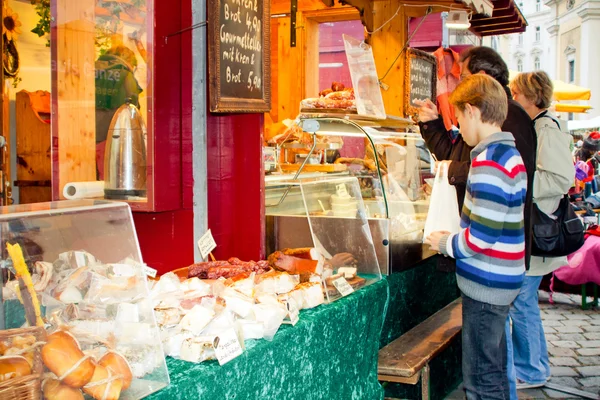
(563, 90)
(572, 108)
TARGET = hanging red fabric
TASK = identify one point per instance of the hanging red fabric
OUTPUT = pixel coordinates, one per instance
(448, 78)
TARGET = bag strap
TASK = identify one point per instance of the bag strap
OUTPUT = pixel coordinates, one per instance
(545, 114)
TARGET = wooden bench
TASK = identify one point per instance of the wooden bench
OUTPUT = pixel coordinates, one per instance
(406, 359)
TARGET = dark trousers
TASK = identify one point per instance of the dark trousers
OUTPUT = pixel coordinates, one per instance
(484, 350)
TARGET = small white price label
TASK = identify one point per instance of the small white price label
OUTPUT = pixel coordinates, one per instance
(293, 313)
(151, 272)
(342, 285)
(341, 190)
(227, 346)
(206, 244)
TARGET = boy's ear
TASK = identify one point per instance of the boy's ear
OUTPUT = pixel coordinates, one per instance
(469, 110)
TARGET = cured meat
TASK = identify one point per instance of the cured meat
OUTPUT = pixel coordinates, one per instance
(200, 270)
(292, 265)
(307, 253)
(226, 269)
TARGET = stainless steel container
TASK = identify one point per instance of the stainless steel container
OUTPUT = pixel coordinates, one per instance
(125, 157)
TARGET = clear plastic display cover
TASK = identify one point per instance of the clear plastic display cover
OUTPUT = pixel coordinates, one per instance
(87, 274)
(341, 234)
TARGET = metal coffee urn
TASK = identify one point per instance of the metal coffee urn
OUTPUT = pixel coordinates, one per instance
(125, 156)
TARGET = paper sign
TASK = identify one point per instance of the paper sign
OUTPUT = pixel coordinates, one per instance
(341, 190)
(293, 313)
(206, 244)
(342, 285)
(227, 346)
(151, 272)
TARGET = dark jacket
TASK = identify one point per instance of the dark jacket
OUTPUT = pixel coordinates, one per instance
(517, 122)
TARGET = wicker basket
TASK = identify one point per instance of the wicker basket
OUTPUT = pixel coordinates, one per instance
(26, 387)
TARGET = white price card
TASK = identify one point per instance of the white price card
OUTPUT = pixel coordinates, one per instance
(341, 190)
(206, 244)
(151, 272)
(342, 285)
(293, 312)
(227, 346)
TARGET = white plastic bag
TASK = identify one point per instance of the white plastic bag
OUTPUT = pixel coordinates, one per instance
(443, 212)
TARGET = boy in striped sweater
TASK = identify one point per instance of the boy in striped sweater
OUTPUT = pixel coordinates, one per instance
(490, 248)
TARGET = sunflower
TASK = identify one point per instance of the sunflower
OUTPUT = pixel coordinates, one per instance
(11, 26)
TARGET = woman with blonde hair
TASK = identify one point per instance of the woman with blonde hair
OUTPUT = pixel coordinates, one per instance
(527, 352)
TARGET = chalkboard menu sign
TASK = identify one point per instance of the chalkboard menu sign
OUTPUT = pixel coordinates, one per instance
(239, 55)
(420, 79)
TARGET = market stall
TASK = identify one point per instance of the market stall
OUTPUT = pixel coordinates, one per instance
(332, 349)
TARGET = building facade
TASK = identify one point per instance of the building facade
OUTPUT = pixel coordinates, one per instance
(559, 40)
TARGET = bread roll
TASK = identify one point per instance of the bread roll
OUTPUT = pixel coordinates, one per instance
(117, 365)
(63, 356)
(13, 367)
(104, 385)
(54, 390)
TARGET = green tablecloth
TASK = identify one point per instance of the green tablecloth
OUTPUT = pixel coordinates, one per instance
(331, 353)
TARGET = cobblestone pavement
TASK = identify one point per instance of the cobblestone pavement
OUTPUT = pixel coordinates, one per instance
(573, 337)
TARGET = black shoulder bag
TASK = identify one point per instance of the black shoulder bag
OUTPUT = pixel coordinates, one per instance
(556, 237)
(560, 236)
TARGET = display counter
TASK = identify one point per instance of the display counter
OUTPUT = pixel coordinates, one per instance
(332, 350)
(391, 164)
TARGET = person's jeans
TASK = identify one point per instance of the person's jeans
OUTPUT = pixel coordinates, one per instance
(526, 345)
(484, 350)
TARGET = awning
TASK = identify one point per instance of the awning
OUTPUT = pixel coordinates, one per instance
(571, 108)
(567, 91)
(563, 90)
(506, 18)
(584, 124)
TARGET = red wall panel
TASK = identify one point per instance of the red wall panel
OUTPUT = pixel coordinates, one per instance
(166, 238)
(236, 185)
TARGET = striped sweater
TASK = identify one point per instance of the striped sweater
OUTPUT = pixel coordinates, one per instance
(490, 249)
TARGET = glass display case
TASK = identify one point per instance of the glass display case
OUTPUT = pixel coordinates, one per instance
(340, 232)
(86, 278)
(389, 160)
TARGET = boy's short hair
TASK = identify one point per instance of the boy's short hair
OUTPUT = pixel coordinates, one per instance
(485, 93)
(536, 86)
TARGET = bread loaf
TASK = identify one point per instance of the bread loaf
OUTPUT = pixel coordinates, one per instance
(63, 357)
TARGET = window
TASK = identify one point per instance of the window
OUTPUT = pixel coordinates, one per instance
(570, 117)
(538, 5)
(520, 39)
(520, 65)
(495, 43)
(571, 71)
(538, 33)
(333, 64)
(536, 64)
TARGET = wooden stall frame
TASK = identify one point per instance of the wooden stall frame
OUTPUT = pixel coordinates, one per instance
(219, 103)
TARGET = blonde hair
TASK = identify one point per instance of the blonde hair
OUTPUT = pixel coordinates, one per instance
(485, 93)
(536, 87)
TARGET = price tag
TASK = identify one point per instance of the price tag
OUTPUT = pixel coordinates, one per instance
(227, 346)
(206, 244)
(342, 285)
(151, 272)
(293, 313)
(341, 190)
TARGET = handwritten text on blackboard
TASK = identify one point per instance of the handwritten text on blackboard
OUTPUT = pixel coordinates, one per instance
(240, 37)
